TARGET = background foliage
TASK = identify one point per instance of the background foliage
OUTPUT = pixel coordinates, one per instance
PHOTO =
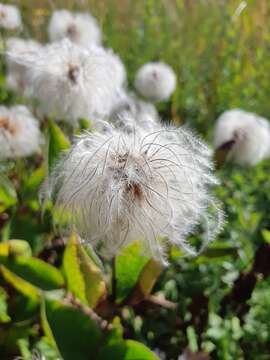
(217, 304)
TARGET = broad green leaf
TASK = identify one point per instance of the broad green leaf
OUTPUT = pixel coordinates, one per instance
(15, 247)
(128, 267)
(126, 350)
(8, 195)
(76, 334)
(19, 284)
(84, 277)
(57, 143)
(35, 271)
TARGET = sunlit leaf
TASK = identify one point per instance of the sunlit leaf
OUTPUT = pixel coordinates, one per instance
(84, 277)
(15, 247)
(35, 271)
(126, 350)
(8, 195)
(146, 281)
(19, 284)
(128, 267)
(266, 235)
(4, 317)
(57, 144)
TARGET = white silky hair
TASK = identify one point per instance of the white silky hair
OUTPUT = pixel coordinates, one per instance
(155, 81)
(71, 82)
(249, 132)
(154, 186)
(131, 111)
(120, 75)
(16, 72)
(10, 17)
(80, 28)
(19, 132)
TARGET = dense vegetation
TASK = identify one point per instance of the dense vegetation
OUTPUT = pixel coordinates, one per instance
(218, 303)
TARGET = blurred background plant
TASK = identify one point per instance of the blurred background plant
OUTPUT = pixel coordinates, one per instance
(217, 305)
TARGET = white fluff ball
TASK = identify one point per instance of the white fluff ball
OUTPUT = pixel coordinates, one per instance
(71, 82)
(19, 132)
(79, 28)
(16, 72)
(153, 186)
(248, 134)
(155, 81)
(10, 17)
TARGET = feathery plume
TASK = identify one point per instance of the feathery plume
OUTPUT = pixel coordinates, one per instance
(154, 186)
(80, 28)
(155, 81)
(16, 72)
(19, 132)
(71, 82)
(247, 134)
(10, 17)
(131, 111)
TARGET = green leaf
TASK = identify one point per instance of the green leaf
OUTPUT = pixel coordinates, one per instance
(34, 181)
(146, 281)
(192, 339)
(76, 334)
(8, 195)
(217, 251)
(57, 143)
(20, 285)
(84, 277)
(266, 235)
(126, 350)
(3, 307)
(15, 247)
(35, 271)
(128, 267)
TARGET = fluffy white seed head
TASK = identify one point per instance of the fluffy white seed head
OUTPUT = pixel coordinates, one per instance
(16, 72)
(80, 28)
(71, 82)
(120, 75)
(118, 187)
(155, 81)
(247, 134)
(10, 17)
(131, 111)
(19, 132)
